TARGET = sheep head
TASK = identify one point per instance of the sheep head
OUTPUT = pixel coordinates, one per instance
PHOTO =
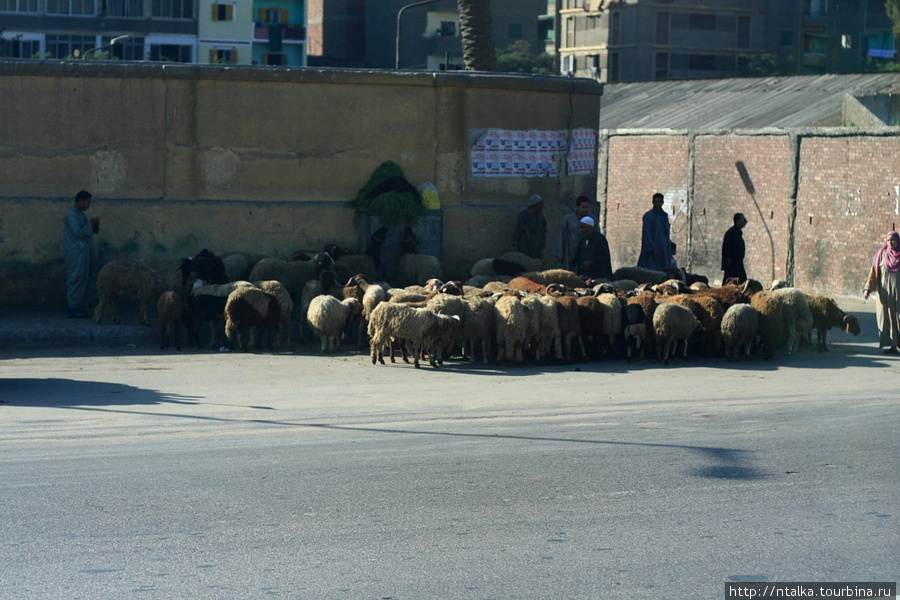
(851, 324)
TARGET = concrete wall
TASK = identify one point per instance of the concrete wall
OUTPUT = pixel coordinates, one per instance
(252, 160)
(819, 201)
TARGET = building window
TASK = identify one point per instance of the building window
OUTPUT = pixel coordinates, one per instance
(787, 4)
(448, 28)
(661, 66)
(702, 62)
(130, 49)
(125, 8)
(702, 21)
(846, 41)
(592, 62)
(20, 6)
(223, 56)
(615, 28)
(787, 38)
(743, 32)
(16, 48)
(614, 66)
(662, 28)
(514, 31)
(273, 16)
(171, 53)
(70, 7)
(570, 32)
(174, 9)
(64, 46)
(222, 12)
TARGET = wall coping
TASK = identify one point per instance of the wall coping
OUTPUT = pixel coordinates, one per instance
(468, 79)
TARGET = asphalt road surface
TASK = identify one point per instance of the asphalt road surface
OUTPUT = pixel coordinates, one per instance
(135, 473)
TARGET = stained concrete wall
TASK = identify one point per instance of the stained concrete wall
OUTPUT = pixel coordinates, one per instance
(819, 201)
(255, 160)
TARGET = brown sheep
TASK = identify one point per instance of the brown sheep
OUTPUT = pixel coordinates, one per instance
(827, 314)
(248, 307)
(170, 309)
(122, 278)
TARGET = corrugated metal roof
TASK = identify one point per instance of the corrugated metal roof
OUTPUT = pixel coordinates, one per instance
(745, 103)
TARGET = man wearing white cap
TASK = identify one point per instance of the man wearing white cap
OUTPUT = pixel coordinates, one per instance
(530, 235)
(569, 235)
(592, 257)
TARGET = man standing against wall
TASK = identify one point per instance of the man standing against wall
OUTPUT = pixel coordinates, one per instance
(530, 235)
(733, 250)
(78, 238)
(656, 245)
(570, 234)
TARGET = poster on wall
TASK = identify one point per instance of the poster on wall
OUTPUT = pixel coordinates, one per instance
(512, 153)
(582, 152)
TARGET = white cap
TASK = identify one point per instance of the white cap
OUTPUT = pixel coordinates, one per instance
(535, 200)
(587, 221)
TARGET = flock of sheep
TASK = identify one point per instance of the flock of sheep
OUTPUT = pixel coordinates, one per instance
(503, 313)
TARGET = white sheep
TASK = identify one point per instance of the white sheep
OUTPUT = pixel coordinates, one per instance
(797, 316)
(327, 316)
(122, 278)
(447, 304)
(512, 328)
(740, 325)
(418, 268)
(611, 307)
(671, 323)
(420, 327)
(478, 326)
(550, 336)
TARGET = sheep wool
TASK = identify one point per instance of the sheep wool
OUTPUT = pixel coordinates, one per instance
(170, 309)
(740, 325)
(672, 323)
(797, 317)
(285, 307)
(327, 316)
(121, 279)
(827, 314)
(418, 326)
(250, 307)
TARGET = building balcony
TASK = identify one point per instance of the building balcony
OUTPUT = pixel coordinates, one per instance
(289, 33)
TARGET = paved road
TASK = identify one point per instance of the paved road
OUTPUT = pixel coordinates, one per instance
(132, 473)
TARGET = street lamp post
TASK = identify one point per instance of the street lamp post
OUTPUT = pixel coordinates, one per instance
(399, 15)
(111, 43)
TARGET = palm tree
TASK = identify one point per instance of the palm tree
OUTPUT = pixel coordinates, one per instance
(477, 35)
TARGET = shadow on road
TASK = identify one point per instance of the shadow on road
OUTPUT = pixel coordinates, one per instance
(45, 393)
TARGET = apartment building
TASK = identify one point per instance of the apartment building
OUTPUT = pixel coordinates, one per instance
(645, 40)
(252, 32)
(78, 29)
(258, 32)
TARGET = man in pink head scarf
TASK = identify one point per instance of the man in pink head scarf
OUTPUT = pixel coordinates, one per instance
(884, 277)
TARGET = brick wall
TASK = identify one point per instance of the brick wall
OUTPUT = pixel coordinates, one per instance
(818, 201)
(848, 198)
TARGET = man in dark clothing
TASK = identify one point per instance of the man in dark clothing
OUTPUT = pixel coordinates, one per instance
(530, 235)
(733, 250)
(592, 257)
